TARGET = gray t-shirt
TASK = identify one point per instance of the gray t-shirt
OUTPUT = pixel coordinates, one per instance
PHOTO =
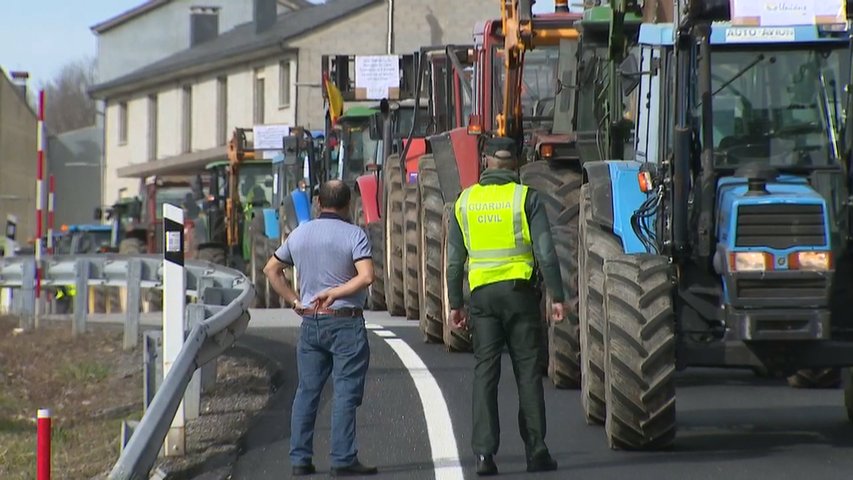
(324, 252)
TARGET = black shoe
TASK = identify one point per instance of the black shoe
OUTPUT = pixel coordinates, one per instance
(542, 463)
(355, 469)
(300, 470)
(486, 465)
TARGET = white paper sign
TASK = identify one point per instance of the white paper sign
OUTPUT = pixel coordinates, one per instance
(377, 74)
(173, 241)
(774, 13)
(269, 137)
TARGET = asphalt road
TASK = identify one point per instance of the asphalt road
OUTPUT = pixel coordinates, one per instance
(732, 425)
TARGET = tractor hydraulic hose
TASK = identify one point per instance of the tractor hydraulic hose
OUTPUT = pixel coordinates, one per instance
(708, 189)
(422, 62)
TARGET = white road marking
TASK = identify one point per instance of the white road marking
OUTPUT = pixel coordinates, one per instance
(385, 333)
(445, 454)
(372, 326)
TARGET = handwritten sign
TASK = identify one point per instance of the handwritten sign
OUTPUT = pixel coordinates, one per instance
(269, 137)
(781, 13)
(376, 76)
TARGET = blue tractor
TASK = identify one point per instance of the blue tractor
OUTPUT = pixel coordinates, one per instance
(296, 173)
(725, 240)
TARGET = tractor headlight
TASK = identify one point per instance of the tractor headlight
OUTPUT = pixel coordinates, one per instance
(819, 261)
(750, 262)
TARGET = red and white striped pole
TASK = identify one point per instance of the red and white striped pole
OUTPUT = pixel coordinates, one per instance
(43, 445)
(39, 192)
(51, 189)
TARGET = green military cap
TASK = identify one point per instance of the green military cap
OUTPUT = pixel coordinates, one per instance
(496, 144)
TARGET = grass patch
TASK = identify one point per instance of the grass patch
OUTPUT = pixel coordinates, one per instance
(84, 371)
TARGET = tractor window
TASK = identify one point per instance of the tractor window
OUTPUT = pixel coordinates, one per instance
(256, 184)
(778, 106)
(356, 148)
(539, 84)
(174, 195)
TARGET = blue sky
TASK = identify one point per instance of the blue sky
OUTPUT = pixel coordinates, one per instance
(41, 39)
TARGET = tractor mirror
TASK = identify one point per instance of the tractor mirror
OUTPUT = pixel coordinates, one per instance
(629, 69)
(376, 126)
(99, 213)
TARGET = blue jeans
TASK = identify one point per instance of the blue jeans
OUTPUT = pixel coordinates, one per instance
(336, 346)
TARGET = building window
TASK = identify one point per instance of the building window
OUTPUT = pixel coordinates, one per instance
(122, 123)
(259, 97)
(284, 84)
(221, 110)
(187, 119)
(152, 127)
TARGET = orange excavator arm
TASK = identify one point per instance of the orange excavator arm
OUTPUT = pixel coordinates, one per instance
(517, 26)
(237, 153)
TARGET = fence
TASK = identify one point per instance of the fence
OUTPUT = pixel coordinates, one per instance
(224, 296)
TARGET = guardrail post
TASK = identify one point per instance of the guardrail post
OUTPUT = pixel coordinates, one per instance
(152, 365)
(81, 299)
(174, 301)
(192, 396)
(27, 299)
(132, 301)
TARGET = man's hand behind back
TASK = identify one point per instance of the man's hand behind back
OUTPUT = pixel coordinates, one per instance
(558, 313)
(458, 319)
(325, 299)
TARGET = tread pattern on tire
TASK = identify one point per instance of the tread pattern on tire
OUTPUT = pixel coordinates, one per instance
(376, 292)
(411, 260)
(596, 247)
(259, 255)
(394, 294)
(640, 353)
(559, 192)
(431, 209)
(816, 378)
(455, 340)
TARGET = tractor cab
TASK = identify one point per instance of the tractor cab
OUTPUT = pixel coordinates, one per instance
(355, 147)
(83, 239)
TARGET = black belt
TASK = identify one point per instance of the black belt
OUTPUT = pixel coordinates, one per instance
(336, 312)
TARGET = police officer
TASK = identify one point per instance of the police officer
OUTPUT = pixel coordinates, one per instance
(501, 228)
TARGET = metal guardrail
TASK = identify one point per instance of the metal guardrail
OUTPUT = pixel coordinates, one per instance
(224, 296)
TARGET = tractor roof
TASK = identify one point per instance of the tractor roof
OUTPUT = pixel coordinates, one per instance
(358, 113)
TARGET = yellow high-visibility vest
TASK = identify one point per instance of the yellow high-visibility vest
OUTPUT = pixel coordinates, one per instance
(497, 236)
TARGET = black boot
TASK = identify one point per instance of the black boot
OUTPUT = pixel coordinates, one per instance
(353, 470)
(300, 470)
(542, 463)
(486, 465)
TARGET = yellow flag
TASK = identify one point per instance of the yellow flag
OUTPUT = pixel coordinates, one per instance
(336, 100)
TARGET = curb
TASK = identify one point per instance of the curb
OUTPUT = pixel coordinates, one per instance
(220, 465)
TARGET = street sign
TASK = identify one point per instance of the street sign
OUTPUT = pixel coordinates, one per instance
(779, 13)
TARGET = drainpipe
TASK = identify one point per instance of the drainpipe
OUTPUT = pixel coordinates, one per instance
(390, 27)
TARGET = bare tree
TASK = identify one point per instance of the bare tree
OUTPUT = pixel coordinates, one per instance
(69, 106)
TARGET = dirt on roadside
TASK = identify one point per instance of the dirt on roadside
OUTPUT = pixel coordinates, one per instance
(90, 385)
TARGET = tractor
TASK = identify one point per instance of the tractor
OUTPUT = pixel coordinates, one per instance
(239, 189)
(724, 239)
(520, 85)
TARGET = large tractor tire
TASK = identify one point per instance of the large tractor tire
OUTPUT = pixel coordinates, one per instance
(816, 378)
(455, 340)
(376, 292)
(136, 246)
(212, 254)
(412, 275)
(394, 241)
(559, 191)
(639, 353)
(431, 211)
(597, 246)
(258, 259)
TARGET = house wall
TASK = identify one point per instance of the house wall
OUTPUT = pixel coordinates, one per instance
(161, 32)
(17, 159)
(416, 24)
(240, 113)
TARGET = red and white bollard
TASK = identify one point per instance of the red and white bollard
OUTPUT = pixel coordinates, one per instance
(43, 445)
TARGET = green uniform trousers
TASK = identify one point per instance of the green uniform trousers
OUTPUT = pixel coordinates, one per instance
(501, 314)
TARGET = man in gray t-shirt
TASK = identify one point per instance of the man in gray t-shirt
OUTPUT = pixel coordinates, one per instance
(332, 257)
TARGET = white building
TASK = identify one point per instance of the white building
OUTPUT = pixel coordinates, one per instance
(175, 115)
